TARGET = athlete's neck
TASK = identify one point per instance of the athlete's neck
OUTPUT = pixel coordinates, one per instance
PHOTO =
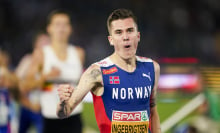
(128, 65)
(59, 49)
(59, 45)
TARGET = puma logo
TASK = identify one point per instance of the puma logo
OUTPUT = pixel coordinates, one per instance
(146, 75)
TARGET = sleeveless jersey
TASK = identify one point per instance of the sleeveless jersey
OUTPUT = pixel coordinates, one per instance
(125, 103)
(70, 72)
(4, 110)
(25, 63)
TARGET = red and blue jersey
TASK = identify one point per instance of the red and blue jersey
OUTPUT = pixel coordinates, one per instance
(125, 103)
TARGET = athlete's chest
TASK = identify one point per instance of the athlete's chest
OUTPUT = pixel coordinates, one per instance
(121, 85)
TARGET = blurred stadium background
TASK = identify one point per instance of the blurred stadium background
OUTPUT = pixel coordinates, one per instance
(182, 35)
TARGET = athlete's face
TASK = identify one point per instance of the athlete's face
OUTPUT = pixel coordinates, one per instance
(41, 40)
(60, 27)
(124, 37)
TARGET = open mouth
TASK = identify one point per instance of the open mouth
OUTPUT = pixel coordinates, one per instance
(127, 46)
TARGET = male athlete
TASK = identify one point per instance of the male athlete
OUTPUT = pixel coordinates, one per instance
(57, 63)
(123, 85)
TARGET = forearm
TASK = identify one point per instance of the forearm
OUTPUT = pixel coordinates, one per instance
(73, 96)
(64, 109)
(67, 105)
(31, 83)
(33, 78)
(155, 121)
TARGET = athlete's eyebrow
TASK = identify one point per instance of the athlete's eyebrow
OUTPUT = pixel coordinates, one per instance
(118, 31)
(130, 29)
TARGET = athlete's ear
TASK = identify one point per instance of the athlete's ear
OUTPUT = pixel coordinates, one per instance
(48, 29)
(139, 36)
(110, 40)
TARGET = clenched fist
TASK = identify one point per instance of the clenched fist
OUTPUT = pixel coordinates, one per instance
(65, 91)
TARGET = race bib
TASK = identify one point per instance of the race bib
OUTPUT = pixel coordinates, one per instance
(130, 122)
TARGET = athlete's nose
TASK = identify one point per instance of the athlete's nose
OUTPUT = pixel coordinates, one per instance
(125, 37)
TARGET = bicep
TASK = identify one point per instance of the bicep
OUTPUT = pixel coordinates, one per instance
(154, 91)
(89, 79)
(81, 54)
(36, 63)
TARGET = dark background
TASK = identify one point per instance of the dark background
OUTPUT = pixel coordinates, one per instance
(169, 28)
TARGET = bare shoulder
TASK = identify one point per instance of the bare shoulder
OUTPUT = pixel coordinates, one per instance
(81, 53)
(156, 66)
(95, 75)
(92, 79)
(80, 50)
(93, 71)
(37, 60)
(38, 54)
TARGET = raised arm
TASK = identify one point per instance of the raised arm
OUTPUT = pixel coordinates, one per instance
(155, 120)
(70, 97)
(35, 78)
(29, 81)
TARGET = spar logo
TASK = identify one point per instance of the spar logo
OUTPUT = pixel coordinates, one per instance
(144, 116)
(130, 116)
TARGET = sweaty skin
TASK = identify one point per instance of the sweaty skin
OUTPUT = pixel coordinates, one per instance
(90, 80)
(124, 37)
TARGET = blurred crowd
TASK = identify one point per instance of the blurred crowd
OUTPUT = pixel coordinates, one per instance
(169, 28)
(33, 82)
(14, 94)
